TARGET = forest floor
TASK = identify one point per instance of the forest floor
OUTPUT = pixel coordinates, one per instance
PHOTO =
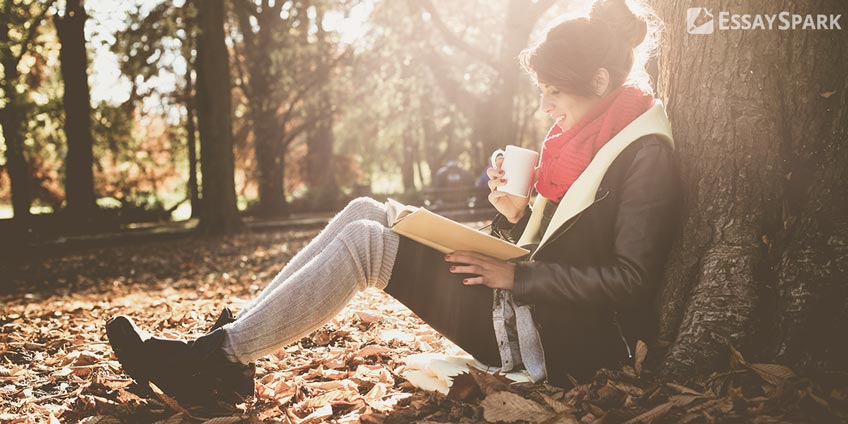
(56, 366)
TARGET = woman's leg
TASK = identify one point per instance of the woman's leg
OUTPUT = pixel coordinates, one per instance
(421, 280)
(359, 255)
(363, 208)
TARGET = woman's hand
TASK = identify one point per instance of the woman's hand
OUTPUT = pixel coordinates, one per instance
(509, 205)
(491, 272)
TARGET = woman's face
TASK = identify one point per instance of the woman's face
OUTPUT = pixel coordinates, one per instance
(565, 109)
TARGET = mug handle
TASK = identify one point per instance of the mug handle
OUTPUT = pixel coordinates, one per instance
(495, 157)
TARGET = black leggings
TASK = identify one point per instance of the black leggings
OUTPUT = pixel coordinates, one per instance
(421, 280)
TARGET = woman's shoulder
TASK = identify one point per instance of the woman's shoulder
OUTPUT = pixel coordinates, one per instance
(653, 141)
(649, 155)
(647, 146)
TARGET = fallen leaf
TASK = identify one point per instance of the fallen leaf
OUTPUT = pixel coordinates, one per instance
(169, 401)
(225, 420)
(651, 415)
(318, 415)
(372, 350)
(464, 388)
(736, 359)
(510, 407)
(772, 373)
(100, 419)
(683, 389)
(367, 318)
(641, 353)
(490, 383)
(556, 405)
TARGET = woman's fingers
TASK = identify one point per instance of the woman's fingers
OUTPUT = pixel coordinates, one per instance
(486, 270)
(473, 281)
(495, 183)
(467, 269)
(494, 173)
(471, 258)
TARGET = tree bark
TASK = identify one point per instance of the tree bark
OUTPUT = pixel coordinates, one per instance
(321, 178)
(219, 213)
(761, 263)
(191, 142)
(409, 157)
(79, 175)
(268, 131)
(12, 119)
(188, 95)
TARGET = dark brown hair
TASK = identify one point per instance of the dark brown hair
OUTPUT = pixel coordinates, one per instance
(611, 37)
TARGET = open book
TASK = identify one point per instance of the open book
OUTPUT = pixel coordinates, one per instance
(446, 235)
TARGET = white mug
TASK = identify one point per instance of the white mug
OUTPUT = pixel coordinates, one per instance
(518, 166)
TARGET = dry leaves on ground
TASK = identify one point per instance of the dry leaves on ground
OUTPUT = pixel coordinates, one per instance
(55, 365)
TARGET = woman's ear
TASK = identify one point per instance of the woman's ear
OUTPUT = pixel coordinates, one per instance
(600, 82)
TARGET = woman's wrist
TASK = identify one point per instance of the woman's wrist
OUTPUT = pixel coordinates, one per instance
(514, 218)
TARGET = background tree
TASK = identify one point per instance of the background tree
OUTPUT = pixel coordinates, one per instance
(79, 176)
(759, 121)
(276, 44)
(492, 114)
(320, 173)
(19, 27)
(214, 116)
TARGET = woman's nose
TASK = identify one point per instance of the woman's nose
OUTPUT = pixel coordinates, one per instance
(545, 106)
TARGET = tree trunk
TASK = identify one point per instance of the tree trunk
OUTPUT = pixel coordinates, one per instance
(268, 133)
(321, 167)
(409, 157)
(79, 175)
(270, 164)
(191, 142)
(321, 178)
(191, 130)
(761, 263)
(219, 213)
(11, 117)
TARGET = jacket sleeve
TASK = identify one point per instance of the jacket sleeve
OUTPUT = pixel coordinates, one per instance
(644, 228)
(503, 229)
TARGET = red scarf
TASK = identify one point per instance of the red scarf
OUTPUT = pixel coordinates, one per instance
(566, 154)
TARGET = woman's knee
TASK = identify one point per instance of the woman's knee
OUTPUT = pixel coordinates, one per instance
(363, 231)
(374, 248)
(367, 208)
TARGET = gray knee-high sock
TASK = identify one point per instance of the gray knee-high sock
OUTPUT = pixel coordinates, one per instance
(360, 208)
(361, 255)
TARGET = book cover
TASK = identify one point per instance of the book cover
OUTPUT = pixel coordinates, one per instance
(446, 235)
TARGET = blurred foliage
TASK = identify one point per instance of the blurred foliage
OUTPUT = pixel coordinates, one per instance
(37, 90)
(390, 116)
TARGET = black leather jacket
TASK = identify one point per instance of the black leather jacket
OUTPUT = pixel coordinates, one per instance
(592, 285)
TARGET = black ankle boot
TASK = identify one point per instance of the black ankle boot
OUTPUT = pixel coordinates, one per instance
(195, 372)
(225, 318)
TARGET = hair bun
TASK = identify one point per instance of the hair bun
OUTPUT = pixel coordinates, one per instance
(626, 25)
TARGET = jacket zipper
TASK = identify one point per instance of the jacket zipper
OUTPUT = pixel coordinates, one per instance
(574, 221)
(621, 334)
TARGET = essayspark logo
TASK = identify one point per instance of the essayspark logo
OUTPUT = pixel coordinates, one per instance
(700, 20)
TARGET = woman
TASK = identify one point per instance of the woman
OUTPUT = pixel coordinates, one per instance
(599, 231)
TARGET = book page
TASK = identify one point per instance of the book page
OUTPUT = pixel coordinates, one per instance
(397, 211)
(448, 236)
